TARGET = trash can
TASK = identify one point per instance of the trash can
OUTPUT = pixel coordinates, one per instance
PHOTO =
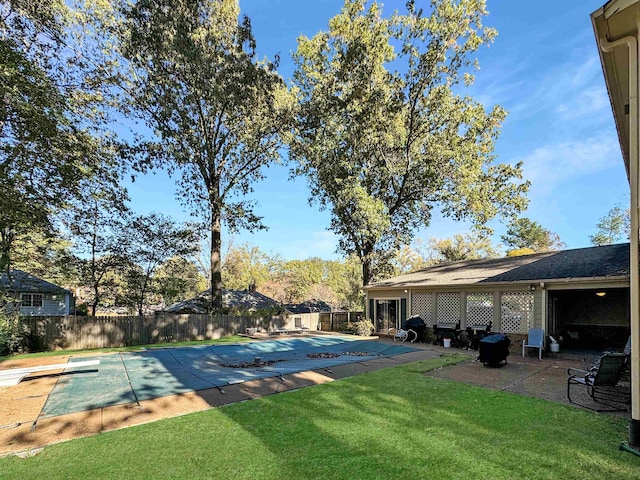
(494, 349)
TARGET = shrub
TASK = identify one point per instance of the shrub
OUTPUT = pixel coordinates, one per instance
(13, 335)
(363, 328)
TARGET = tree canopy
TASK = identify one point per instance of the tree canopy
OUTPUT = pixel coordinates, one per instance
(383, 134)
(525, 234)
(46, 145)
(613, 227)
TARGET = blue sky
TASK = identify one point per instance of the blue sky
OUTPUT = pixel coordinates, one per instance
(543, 68)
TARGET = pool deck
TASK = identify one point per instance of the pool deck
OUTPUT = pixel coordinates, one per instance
(23, 430)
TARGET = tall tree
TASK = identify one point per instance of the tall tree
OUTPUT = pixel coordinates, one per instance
(525, 233)
(382, 135)
(56, 99)
(97, 221)
(613, 227)
(151, 240)
(217, 112)
(46, 147)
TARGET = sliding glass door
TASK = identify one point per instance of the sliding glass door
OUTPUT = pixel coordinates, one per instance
(387, 314)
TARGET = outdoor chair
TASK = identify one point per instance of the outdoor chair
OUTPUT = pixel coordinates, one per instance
(535, 339)
(601, 382)
(402, 335)
(626, 371)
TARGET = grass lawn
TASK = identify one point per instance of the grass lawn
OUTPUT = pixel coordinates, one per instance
(133, 348)
(386, 424)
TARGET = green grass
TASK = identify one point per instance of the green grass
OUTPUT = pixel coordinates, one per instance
(133, 348)
(386, 424)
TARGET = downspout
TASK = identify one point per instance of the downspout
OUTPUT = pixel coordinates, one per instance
(632, 44)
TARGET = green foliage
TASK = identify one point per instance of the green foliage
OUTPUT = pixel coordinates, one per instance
(97, 221)
(382, 147)
(336, 282)
(14, 336)
(462, 247)
(613, 227)
(362, 328)
(49, 139)
(149, 241)
(217, 113)
(526, 233)
(46, 255)
(246, 265)
(178, 279)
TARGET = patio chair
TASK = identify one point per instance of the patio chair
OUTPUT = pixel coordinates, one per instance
(535, 339)
(601, 382)
(403, 335)
(626, 371)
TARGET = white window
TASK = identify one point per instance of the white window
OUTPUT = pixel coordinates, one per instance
(31, 299)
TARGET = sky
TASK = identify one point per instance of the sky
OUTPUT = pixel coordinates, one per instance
(543, 68)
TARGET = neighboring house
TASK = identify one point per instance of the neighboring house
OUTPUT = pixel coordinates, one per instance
(238, 300)
(36, 296)
(308, 307)
(581, 294)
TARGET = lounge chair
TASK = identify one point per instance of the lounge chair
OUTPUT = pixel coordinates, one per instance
(535, 339)
(601, 382)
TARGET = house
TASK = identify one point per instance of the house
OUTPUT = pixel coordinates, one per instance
(237, 300)
(580, 294)
(617, 30)
(311, 306)
(36, 296)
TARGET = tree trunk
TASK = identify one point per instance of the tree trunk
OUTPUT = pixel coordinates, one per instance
(367, 271)
(94, 304)
(216, 264)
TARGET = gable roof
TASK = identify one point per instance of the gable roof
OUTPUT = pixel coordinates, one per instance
(308, 307)
(23, 282)
(606, 262)
(244, 300)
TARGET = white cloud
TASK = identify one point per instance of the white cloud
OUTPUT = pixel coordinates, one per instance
(591, 101)
(549, 165)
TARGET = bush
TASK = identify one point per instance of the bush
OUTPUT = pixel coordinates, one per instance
(363, 328)
(13, 335)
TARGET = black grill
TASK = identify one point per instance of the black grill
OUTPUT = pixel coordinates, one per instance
(494, 350)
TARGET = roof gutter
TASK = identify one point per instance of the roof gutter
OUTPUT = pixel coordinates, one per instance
(546, 281)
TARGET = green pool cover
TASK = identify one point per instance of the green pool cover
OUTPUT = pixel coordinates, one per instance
(130, 377)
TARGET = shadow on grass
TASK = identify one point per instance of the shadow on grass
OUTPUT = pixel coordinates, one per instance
(399, 423)
(391, 423)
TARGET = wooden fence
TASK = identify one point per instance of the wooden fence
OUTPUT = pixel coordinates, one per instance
(73, 332)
